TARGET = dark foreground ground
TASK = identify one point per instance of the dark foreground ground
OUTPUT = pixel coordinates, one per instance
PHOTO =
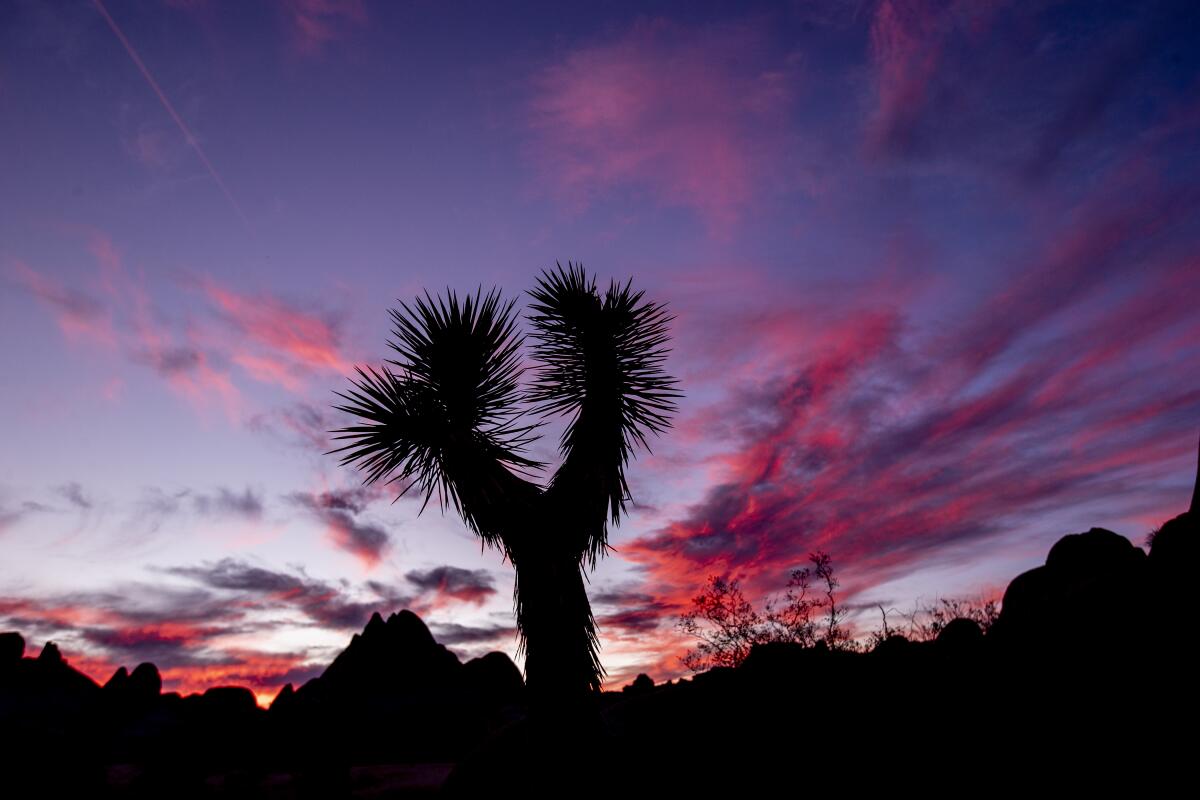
(1087, 682)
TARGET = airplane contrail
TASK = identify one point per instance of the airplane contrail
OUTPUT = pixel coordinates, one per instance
(183, 128)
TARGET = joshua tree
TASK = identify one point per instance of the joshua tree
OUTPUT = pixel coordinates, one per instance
(447, 419)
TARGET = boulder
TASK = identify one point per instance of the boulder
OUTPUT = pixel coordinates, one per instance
(1099, 552)
(893, 646)
(495, 679)
(1092, 585)
(145, 683)
(12, 647)
(959, 635)
(1176, 545)
(642, 684)
(229, 702)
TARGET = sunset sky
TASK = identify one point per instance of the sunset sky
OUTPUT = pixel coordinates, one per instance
(935, 268)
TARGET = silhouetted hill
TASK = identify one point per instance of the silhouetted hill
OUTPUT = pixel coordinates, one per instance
(393, 695)
(1088, 681)
(394, 689)
(1088, 669)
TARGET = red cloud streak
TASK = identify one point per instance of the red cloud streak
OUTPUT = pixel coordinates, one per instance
(306, 338)
(891, 447)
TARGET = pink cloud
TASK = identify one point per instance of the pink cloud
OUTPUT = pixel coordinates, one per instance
(448, 583)
(101, 639)
(80, 317)
(185, 364)
(150, 148)
(340, 511)
(908, 42)
(106, 253)
(316, 23)
(306, 339)
(268, 370)
(113, 389)
(694, 116)
(128, 321)
(894, 448)
(269, 339)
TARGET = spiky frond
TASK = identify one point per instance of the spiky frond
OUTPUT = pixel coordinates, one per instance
(602, 360)
(447, 420)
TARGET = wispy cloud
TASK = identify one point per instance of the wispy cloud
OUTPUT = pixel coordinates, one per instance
(1005, 85)
(300, 424)
(315, 24)
(207, 347)
(697, 116)
(81, 316)
(11, 516)
(188, 136)
(227, 502)
(290, 338)
(465, 585)
(450, 633)
(339, 512)
(890, 448)
(73, 493)
(206, 633)
(326, 604)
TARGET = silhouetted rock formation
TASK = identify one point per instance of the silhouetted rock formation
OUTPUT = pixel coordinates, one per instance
(1088, 662)
(396, 658)
(1175, 558)
(12, 648)
(394, 694)
(496, 677)
(1088, 666)
(894, 646)
(145, 682)
(127, 693)
(119, 681)
(1091, 585)
(229, 702)
(283, 700)
(642, 684)
(50, 654)
(395, 670)
(960, 634)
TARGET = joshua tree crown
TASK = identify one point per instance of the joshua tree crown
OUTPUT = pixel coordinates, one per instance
(449, 418)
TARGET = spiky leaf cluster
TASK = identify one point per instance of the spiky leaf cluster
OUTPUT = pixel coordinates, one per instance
(606, 353)
(451, 403)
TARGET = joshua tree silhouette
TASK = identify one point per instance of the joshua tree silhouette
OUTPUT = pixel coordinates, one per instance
(448, 420)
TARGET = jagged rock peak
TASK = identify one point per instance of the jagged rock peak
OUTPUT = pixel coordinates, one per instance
(286, 695)
(118, 681)
(50, 654)
(410, 628)
(375, 626)
(403, 629)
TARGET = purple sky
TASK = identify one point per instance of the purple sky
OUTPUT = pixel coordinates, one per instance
(935, 267)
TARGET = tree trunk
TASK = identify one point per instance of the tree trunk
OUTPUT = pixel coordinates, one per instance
(562, 669)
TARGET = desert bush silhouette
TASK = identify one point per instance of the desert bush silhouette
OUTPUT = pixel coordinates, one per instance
(450, 416)
(728, 626)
